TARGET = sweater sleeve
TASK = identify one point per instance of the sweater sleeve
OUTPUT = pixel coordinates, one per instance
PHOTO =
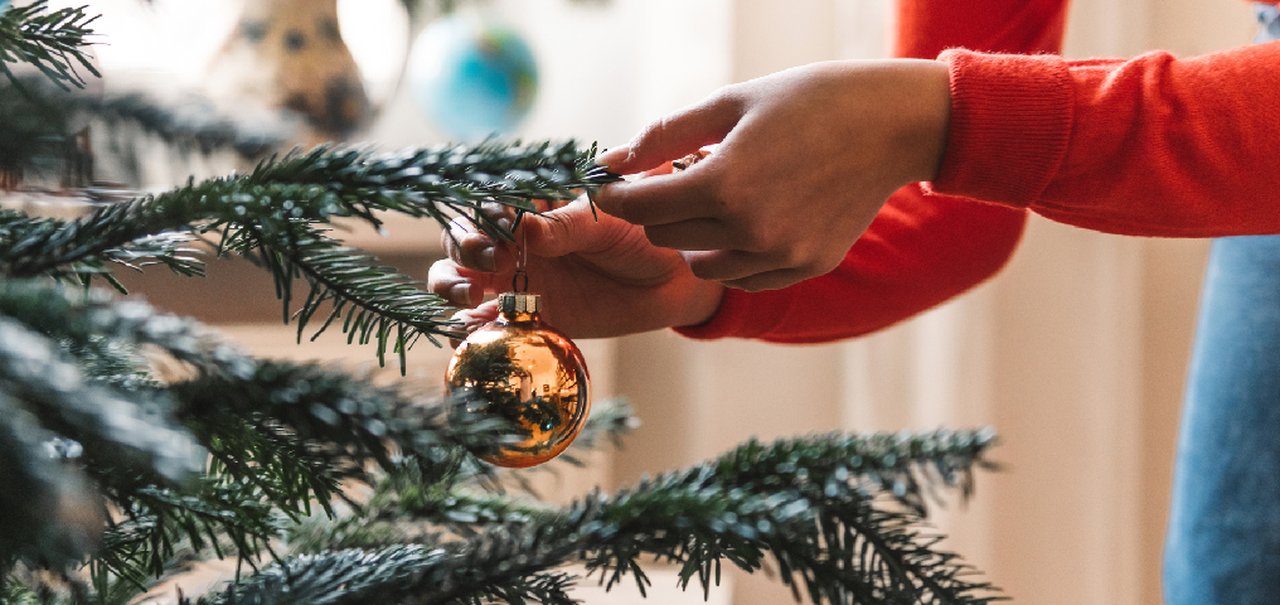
(1152, 145)
(921, 250)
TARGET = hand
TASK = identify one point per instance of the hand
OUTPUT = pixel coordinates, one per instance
(596, 278)
(806, 158)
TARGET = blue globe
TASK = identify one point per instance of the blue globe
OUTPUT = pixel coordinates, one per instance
(472, 78)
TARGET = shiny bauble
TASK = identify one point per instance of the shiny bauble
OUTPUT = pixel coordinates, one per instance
(522, 370)
(472, 77)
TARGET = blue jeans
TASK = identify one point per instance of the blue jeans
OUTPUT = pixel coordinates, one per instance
(1223, 545)
(1224, 532)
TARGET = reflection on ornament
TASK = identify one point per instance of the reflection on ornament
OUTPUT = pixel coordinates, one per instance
(290, 54)
(471, 77)
(523, 371)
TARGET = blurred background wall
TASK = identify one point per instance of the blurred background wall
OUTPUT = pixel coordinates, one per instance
(1075, 353)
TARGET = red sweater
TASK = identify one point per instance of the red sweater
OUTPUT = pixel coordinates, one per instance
(1149, 146)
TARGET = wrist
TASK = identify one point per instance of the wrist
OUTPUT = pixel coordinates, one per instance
(928, 115)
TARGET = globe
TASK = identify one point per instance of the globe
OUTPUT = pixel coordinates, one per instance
(473, 78)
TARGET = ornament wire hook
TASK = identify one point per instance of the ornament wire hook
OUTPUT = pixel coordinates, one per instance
(520, 280)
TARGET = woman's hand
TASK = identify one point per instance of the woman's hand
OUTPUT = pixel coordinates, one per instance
(597, 278)
(805, 160)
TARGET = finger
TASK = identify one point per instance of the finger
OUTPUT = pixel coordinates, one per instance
(494, 217)
(676, 135)
(470, 320)
(456, 284)
(696, 234)
(571, 229)
(661, 200)
(474, 251)
(458, 228)
(769, 280)
(727, 265)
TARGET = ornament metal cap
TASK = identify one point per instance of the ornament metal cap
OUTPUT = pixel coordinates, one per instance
(519, 302)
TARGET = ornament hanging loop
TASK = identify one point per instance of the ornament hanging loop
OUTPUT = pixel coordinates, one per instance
(520, 280)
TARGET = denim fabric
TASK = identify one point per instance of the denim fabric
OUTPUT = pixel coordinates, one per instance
(1223, 545)
(1269, 19)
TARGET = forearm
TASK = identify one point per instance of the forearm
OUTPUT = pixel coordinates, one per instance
(1147, 146)
(920, 251)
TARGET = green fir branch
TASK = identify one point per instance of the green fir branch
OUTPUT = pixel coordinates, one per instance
(41, 496)
(51, 41)
(299, 417)
(92, 319)
(352, 421)
(270, 215)
(318, 186)
(189, 123)
(393, 313)
(329, 578)
(902, 465)
(172, 249)
(112, 426)
(30, 129)
(814, 516)
(39, 121)
(281, 436)
(224, 518)
(461, 499)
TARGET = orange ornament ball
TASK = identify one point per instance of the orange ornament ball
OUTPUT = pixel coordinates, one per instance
(524, 371)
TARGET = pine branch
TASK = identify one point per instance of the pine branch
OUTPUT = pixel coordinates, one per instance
(37, 118)
(349, 420)
(394, 313)
(51, 41)
(297, 417)
(38, 505)
(85, 319)
(29, 128)
(191, 123)
(161, 522)
(281, 436)
(327, 579)
(172, 250)
(902, 465)
(271, 212)
(111, 426)
(610, 420)
(445, 497)
(813, 515)
(323, 184)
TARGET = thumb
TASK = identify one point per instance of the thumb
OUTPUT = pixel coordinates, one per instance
(676, 135)
(569, 229)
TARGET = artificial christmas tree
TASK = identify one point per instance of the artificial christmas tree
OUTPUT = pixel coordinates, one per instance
(118, 475)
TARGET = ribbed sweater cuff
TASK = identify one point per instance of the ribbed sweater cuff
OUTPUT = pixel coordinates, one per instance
(742, 315)
(1010, 125)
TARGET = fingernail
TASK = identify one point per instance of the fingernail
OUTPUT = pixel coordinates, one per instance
(460, 294)
(613, 156)
(485, 259)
